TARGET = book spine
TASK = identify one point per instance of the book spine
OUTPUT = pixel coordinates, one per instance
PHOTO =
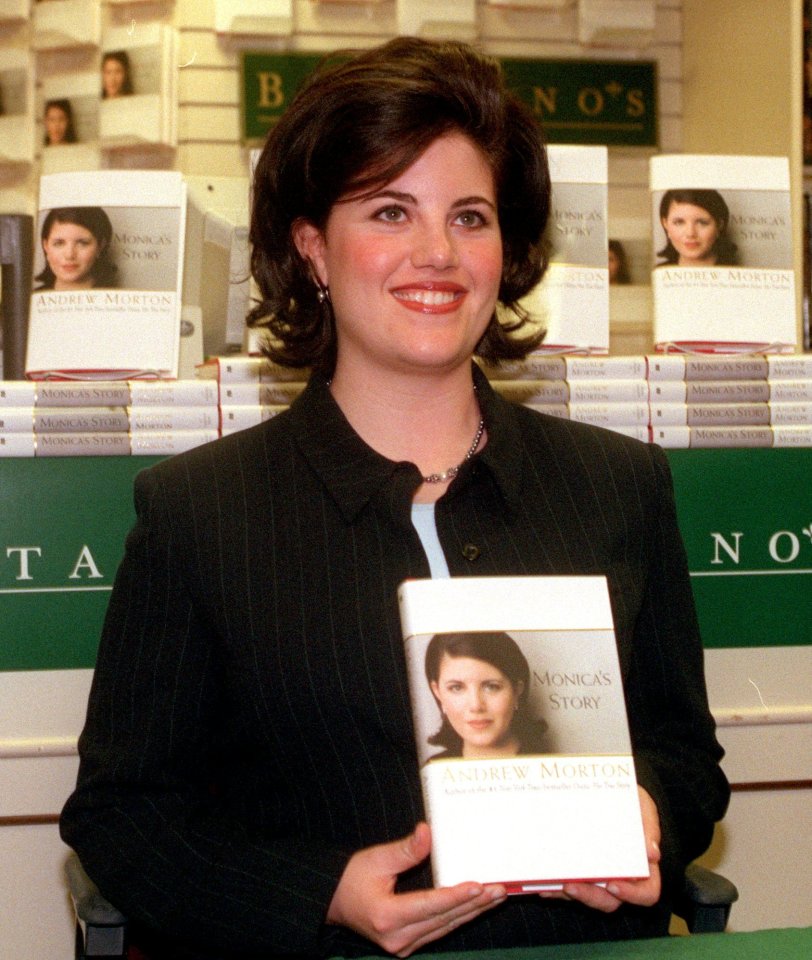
(533, 392)
(789, 368)
(84, 394)
(791, 391)
(180, 418)
(532, 367)
(18, 444)
(173, 393)
(627, 414)
(81, 420)
(83, 444)
(754, 414)
(17, 393)
(160, 443)
(234, 418)
(259, 394)
(707, 368)
(608, 391)
(605, 368)
(248, 370)
(579, 391)
(16, 420)
(675, 437)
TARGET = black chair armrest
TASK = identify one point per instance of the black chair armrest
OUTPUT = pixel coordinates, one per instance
(101, 929)
(706, 900)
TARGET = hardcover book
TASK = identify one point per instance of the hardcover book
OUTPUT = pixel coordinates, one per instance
(521, 731)
(572, 300)
(107, 276)
(723, 279)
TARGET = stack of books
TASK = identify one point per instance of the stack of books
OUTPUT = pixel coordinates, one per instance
(252, 389)
(747, 401)
(607, 391)
(675, 400)
(106, 418)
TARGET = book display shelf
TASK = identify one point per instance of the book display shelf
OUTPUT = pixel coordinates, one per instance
(743, 507)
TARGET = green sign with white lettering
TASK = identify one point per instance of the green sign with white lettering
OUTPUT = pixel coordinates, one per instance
(745, 516)
(611, 102)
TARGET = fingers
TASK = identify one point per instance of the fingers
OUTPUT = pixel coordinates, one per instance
(365, 898)
(436, 913)
(644, 892)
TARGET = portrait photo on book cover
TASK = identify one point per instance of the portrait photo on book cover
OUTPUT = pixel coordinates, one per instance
(497, 694)
(110, 248)
(704, 227)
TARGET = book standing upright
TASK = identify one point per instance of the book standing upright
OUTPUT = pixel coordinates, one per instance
(572, 300)
(723, 280)
(121, 318)
(538, 790)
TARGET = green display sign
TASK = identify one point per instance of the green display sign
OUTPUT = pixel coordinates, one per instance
(746, 518)
(610, 102)
(745, 515)
(62, 527)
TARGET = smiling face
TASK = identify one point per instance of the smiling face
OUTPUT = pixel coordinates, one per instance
(479, 702)
(413, 268)
(692, 232)
(71, 251)
(56, 125)
(113, 77)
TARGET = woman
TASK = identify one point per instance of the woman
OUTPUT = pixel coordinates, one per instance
(481, 683)
(116, 75)
(58, 120)
(618, 263)
(76, 245)
(248, 751)
(695, 224)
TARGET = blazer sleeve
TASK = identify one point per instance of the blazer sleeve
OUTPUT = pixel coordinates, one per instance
(144, 818)
(673, 732)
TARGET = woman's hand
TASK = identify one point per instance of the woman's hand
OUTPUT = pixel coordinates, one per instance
(365, 898)
(643, 893)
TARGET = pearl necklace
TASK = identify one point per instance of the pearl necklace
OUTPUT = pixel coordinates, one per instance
(452, 472)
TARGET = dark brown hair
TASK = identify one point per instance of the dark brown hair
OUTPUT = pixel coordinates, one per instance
(724, 249)
(358, 123)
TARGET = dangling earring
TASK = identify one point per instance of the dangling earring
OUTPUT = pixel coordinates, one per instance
(322, 292)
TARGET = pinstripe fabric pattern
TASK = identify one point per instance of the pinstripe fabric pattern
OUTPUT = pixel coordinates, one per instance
(248, 726)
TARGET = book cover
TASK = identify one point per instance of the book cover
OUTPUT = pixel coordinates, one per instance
(572, 300)
(107, 275)
(723, 279)
(521, 731)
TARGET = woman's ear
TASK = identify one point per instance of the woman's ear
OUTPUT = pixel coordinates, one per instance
(309, 241)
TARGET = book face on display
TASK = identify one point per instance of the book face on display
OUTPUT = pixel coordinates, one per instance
(107, 269)
(521, 731)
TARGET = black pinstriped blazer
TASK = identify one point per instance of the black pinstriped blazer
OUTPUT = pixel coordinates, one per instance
(248, 726)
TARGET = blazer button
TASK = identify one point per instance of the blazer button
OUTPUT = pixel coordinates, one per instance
(470, 551)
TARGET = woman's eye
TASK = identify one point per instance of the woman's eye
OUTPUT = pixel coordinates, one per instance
(391, 214)
(493, 686)
(470, 218)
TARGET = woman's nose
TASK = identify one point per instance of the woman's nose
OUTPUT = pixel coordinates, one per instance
(476, 701)
(434, 247)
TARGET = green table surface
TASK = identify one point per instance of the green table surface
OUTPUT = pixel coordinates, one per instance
(789, 944)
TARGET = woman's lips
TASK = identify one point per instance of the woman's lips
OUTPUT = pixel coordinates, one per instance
(436, 298)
